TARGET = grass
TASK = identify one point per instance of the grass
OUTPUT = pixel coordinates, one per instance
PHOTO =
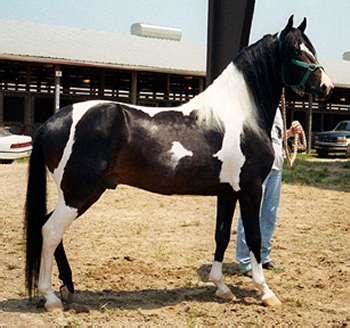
(306, 170)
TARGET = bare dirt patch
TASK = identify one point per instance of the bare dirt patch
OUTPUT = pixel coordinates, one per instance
(141, 259)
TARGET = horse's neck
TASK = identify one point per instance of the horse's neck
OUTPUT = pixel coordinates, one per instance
(261, 68)
(226, 101)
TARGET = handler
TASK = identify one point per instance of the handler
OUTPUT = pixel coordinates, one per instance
(270, 201)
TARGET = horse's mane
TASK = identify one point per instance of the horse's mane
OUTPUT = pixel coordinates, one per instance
(260, 64)
(256, 66)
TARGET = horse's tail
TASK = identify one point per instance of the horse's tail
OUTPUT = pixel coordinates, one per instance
(35, 210)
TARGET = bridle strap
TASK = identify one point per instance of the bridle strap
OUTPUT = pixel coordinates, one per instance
(310, 68)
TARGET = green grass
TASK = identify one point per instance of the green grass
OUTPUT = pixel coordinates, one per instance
(334, 174)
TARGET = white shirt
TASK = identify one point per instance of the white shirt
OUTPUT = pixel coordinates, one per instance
(277, 141)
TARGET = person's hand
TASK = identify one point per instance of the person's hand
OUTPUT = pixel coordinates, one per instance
(294, 129)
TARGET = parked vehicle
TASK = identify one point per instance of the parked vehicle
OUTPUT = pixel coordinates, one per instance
(13, 146)
(334, 141)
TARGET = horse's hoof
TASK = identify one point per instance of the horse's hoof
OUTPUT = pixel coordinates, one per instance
(54, 304)
(271, 301)
(66, 295)
(224, 295)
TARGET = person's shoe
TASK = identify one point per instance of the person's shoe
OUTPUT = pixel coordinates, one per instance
(268, 265)
(245, 269)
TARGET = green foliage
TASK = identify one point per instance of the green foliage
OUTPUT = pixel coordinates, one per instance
(308, 170)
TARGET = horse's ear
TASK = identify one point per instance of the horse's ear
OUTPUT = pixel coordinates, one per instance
(289, 25)
(302, 26)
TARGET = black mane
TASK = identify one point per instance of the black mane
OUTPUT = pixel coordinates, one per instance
(260, 64)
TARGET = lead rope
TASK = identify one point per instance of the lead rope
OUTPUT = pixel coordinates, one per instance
(299, 139)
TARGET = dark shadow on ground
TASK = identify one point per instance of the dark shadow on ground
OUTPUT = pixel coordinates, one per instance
(145, 299)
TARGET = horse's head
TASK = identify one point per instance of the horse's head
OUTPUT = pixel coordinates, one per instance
(301, 70)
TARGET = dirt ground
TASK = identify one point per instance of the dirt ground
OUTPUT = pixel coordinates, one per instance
(141, 259)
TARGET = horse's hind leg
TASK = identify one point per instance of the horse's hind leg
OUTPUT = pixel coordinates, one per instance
(225, 208)
(250, 199)
(52, 233)
(65, 273)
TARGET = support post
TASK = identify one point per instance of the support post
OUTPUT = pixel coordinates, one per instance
(309, 125)
(229, 25)
(167, 89)
(28, 114)
(58, 75)
(201, 84)
(322, 122)
(133, 91)
(1, 109)
(101, 89)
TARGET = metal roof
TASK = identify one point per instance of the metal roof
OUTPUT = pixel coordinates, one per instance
(68, 45)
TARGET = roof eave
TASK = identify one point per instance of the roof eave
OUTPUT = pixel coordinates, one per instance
(63, 61)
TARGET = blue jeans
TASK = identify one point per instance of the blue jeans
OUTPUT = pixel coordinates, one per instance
(268, 218)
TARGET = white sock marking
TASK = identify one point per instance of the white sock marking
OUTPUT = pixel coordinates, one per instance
(217, 278)
(259, 278)
(52, 232)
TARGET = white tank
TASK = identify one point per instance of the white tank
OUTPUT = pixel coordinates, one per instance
(155, 31)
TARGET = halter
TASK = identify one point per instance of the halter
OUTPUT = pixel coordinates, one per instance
(309, 68)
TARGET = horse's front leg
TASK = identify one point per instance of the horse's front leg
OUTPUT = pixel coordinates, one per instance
(250, 200)
(225, 208)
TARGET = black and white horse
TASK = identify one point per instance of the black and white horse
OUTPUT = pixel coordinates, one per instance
(216, 144)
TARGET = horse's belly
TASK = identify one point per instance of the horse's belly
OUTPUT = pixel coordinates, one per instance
(192, 176)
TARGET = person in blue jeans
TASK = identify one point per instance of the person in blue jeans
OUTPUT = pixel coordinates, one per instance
(270, 201)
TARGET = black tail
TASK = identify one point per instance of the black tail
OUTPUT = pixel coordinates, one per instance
(35, 210)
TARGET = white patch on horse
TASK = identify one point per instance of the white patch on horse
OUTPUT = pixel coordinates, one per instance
(178, 151)
(257, 270)
(304, 48)
(52, 233)
(78, 112)
(325, 80)
(217, 278)
(230, 98)
(259, 278)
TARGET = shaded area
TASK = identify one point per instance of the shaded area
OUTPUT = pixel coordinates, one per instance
(133, 300)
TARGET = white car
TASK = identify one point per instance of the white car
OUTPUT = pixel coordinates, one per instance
(13, 146)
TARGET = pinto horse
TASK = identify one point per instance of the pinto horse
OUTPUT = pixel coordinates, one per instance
(216, 144)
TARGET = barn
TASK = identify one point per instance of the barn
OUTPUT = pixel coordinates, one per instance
(46, 67)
